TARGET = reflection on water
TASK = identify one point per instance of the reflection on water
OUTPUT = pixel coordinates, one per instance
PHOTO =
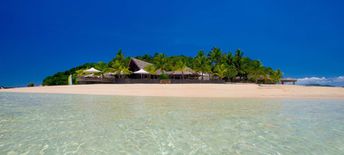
(84, 124)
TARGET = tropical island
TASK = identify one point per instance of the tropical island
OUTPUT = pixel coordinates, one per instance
(214, 66)
(213, 74)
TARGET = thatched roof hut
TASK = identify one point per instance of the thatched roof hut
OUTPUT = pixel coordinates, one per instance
(136, 64)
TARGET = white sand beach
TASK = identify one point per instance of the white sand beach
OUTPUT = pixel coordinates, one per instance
(192, 90)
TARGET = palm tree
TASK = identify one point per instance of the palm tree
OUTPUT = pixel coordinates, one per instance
(220, 70)
(230, 58)
(80, 72)
(145, 57)
(124, 70)
(119, 58)
(118, 65)
(237, 61)
(276, 76)
(231, 72)
(150, 69)
(254, 70)
(201, 63)
(180, 66)
(215, 56)
(101, 65)
(161, 62)
(118, 68)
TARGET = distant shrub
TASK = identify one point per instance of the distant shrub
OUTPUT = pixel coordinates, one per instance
(164, 77)
(30, 84)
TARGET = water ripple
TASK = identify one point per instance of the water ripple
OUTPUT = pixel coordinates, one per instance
(83, 124)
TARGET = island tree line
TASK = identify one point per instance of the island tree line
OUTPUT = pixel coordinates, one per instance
(232, 67)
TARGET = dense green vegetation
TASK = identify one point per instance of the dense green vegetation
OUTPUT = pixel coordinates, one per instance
(61, 78)
(223, 65)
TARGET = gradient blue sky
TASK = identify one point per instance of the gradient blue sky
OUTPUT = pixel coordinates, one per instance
(39, 37)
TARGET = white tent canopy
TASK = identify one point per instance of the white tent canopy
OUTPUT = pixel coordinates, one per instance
(141, 71)
(91, 70)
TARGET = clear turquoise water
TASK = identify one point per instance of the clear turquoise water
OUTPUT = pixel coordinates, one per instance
(85, 124)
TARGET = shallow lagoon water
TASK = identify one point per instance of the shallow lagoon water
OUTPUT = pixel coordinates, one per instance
(86, 124)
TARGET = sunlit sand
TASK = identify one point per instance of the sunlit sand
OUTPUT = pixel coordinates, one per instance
(192, 90)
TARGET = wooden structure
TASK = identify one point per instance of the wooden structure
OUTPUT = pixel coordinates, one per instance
(288, 80)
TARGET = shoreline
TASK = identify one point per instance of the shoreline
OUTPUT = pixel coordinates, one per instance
(193, 90)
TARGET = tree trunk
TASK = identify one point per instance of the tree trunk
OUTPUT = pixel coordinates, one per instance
(202, 76)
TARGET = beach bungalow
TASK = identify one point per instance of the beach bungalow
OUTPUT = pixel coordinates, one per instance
(137, 67)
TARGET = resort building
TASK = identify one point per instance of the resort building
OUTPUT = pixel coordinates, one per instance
(138, 69)
(140, 74)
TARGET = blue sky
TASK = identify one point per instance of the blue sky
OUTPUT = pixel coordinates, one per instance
(39, 38)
